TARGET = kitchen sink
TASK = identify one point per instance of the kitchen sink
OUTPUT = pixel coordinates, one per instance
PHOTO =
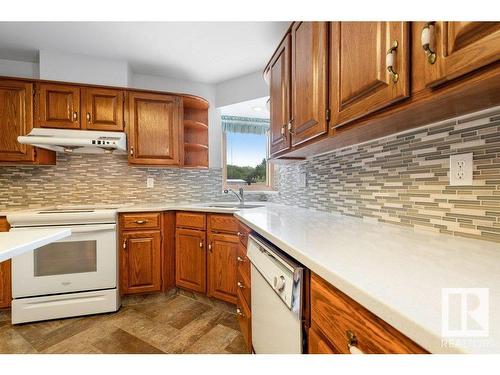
(236, 205)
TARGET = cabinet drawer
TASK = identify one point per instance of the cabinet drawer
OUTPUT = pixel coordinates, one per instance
(142, 220)
(223, 223)
(337, 316)
(243, 262)
(245, 320)
(244, 286)
(316, 344)
(191, 220)
(243, 232)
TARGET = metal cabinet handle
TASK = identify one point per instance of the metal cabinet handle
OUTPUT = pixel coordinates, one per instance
(75, 115)
(124, 244)
(210, 246)
(240, 259)
(241, 235)
(290, 127)
(352, 342)
(201, 244)
(427, 38)
(88, 117)
(140, 221)
(131, 151)
(390, 59)
(240, 285)
(239, 312)
(283, 130)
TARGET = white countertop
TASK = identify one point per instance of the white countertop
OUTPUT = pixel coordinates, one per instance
(397, 273)
(17, 243)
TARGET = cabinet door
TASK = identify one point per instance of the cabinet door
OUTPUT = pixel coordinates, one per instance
(16, 118)
(460, 48)
(190, 260)
(5, 273)
(309, 80)
(279, 81)
(360, 82)
(141, 262)
(222, 266)
(58, 106)
(154, 132)
(102, 109)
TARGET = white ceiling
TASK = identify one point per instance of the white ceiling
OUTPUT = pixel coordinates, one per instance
(208, 52)
(250, 108)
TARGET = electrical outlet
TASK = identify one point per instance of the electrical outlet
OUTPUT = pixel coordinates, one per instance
(461, 170)
(150, 182)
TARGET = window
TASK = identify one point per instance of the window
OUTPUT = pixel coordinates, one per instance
(246, 146)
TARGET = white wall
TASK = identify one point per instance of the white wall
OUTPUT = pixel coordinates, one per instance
(240, 89)
(207, 91)
(61, 66)
(22, 69)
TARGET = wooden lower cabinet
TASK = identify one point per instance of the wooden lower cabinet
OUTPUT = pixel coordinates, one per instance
(191, 259)
(345, 324)
(141, 262)
(5, 273)
(316, 344)
(244, 315)
(222, 265)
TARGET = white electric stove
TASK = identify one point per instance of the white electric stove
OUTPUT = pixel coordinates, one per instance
(71, 277)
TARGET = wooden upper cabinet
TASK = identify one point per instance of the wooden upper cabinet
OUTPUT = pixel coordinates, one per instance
(16, 118)
(102, 109)
(309, 80)
(190, 259)
(459, 47)
(279, 81)
(141, 262)
(360, 81)
(154, 128)
(222, 266)
(57, 106)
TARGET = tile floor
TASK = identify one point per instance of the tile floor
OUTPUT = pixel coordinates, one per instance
(176, 322)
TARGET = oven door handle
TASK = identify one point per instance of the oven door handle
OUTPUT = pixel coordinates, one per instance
(76, 228)
(93, 228)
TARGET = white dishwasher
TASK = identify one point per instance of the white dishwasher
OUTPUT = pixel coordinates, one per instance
(276, 299)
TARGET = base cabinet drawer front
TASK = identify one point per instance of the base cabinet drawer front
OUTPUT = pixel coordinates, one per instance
(243, 233)
(316, 344)
(141, 262)
(191, 259)
(192, 220)
(244, 286)
(147, 220)
(245, 320)
(222, 266)
(222, 223)
(346, 323)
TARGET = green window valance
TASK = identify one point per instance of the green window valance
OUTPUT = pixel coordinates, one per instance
(245, 125)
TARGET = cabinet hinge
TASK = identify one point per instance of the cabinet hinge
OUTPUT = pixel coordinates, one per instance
(328, 113)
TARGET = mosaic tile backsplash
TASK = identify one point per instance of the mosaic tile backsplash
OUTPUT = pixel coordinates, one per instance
(403, 179)
(103, 179)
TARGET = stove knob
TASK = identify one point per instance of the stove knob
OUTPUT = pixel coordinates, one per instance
(279, 283)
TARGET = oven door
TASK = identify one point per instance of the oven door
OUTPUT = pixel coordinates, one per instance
(87, 260)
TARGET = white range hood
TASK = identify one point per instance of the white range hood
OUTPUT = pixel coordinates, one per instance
(76, 141)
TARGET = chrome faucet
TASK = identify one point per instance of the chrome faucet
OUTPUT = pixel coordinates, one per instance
(240, 195)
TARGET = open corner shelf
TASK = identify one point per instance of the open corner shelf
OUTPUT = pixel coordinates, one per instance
(195, 132)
